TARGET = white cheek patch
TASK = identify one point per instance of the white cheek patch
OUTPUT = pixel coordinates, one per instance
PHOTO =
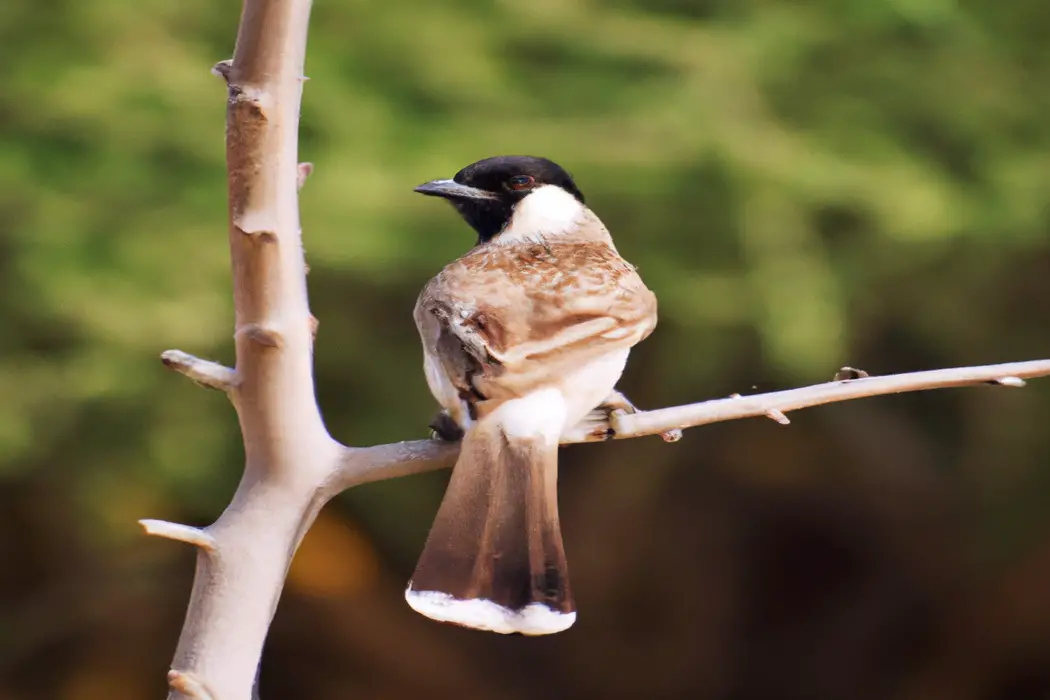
(546, 211)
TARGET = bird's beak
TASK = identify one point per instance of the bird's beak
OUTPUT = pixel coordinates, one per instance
(450, 189)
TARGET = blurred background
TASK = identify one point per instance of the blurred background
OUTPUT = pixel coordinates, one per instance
(805, 185)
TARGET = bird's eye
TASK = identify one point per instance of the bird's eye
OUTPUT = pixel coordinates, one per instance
(520, 182)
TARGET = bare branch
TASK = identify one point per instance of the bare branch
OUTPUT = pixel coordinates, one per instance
(776, 404)
(289, 454)
(205, 372)
(364, 465)
(182, 533)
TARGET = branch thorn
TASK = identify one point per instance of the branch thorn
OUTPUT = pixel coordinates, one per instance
(181, 533)
(778, 415)
(847, 373)
(204, 372)
(261, 335)
(672, 435)
(222, 69)
(304, 171)
(188, 685)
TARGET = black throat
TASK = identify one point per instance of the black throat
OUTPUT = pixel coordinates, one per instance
(487, 217)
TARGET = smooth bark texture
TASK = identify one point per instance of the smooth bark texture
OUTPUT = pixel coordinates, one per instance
(288, 451)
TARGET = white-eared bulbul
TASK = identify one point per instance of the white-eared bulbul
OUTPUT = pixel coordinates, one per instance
(522, 336)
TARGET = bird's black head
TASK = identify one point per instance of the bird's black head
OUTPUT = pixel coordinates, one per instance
(485, 193)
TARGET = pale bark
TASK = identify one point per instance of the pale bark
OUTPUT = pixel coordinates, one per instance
(364, 465)
(288, 451)
(293, 466)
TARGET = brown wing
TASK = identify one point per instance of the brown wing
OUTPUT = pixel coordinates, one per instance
(505, 320)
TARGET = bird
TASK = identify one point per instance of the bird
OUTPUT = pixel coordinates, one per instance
(523, 336)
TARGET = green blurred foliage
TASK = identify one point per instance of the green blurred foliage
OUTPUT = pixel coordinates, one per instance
(805, 185)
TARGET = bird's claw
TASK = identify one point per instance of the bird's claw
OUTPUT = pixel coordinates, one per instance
(616, 402)
(444, 427)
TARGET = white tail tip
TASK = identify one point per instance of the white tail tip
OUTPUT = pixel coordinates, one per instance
(480, 614)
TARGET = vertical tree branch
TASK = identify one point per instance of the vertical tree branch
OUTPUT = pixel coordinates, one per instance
(287, 449)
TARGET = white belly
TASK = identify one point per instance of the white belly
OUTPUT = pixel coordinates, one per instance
(591, 384)
(581, 391)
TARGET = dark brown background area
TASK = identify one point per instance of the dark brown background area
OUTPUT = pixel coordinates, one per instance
(805, 186)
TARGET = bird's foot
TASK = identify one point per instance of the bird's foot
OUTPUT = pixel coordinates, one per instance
(445, 428)
(599, 421)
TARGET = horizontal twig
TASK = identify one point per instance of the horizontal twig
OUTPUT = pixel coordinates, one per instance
(778, 403)
(204, 372)
(363, 465)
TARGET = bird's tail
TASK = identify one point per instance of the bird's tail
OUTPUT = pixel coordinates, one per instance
(494, 559)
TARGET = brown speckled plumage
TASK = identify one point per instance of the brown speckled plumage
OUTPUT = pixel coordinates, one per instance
(535, 321)
(520, 314)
